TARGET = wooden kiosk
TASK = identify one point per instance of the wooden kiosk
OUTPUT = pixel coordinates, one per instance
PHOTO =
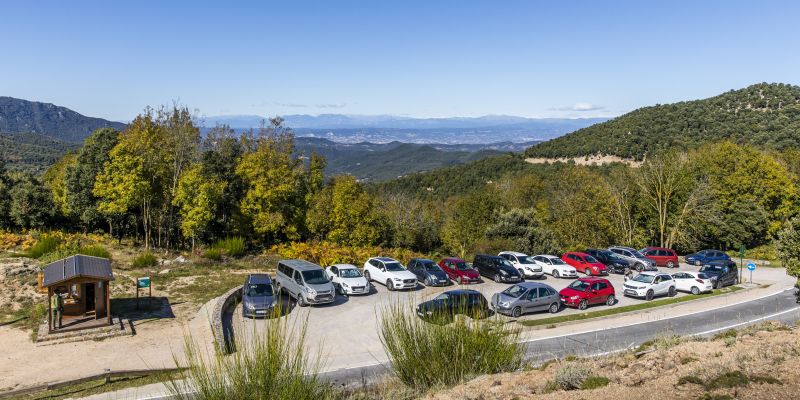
(83, 281)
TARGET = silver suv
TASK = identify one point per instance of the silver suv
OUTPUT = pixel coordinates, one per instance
(304, 281)
(637, 260)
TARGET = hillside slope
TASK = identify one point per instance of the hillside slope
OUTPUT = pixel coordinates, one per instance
(21, 116)
(766, 115)
(32, 152)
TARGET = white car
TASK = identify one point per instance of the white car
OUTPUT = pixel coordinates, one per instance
(524, 263)
(389, 272)
(347, 279)
(555, 266)
(650, 284)
(693, 282)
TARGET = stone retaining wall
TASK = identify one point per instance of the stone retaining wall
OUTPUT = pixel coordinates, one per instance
(223, 334)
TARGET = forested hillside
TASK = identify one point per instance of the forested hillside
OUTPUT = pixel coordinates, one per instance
(764, 115)
(31, 151)
(22, 116)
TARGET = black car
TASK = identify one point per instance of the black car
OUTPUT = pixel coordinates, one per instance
(497, 268)
(428, 272)
(722, 273)
(448, 304)
(614, 263)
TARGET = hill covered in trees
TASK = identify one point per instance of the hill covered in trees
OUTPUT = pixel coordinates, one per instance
(23, 116)
(764, 115)
(31, 151)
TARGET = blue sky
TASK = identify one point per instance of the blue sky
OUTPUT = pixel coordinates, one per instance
(425, 58)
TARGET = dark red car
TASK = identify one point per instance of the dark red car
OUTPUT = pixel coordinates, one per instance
(587, 291)
(662, 256)
(585, 263)
(459, 271)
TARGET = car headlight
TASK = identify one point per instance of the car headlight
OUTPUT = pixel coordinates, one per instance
(504, 304)
(250, 306)
(575, 297)
(397, 279)
(503, 272)
(312, 292)
(345, 284)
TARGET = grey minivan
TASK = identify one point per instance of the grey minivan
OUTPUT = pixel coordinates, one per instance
(304, 281)
(526, 297)
(258, 296)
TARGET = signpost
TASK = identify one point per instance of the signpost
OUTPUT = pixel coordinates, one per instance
(751, 267)
(741, 262)
(143, 283)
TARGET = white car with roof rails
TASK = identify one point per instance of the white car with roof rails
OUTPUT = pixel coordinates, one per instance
(647, 285)
(348, 279)
(390, 273)
(555, 266)
(524, 264)
(693, 282)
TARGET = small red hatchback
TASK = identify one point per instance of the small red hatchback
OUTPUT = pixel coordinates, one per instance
(458, 270)
(662, 256)
(587, 291)
(585, 263)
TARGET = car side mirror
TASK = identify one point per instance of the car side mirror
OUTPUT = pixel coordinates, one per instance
(594, 291)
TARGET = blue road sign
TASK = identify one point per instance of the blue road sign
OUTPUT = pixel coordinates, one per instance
(751, 266)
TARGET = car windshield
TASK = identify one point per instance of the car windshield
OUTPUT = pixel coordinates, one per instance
(431, 267)
(394, 266)
(591, 259)
(502, 261)
(350, 273)
(703, 276)
(579, 285)
(711, 268)
(526, 260)
(644, 278)
(462, 266)
(637, 254)
(258, 290)
(315, 277)
(557, 261)
(514, 291)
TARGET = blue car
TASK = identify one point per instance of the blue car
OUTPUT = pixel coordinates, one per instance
(706, 256)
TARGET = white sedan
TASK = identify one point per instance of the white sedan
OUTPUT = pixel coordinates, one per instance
(555, 266)
(347, 279)
(693, 282)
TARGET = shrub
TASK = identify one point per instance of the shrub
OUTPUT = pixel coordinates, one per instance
(146, 259)
(571, 376)
(45, 244)
(213, 254)
(420, 351)
(232, 247)
(95, 251)
(690, 379)
(728, 379)
(269, 365)
(594, 382)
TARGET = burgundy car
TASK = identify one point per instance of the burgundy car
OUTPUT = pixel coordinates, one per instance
(459, 271)
(663, 257)
(587, 291)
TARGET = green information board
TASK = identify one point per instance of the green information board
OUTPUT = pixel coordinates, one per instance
(142, 283)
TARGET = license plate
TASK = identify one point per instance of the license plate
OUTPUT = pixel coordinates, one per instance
(261, 312)
(630, 292)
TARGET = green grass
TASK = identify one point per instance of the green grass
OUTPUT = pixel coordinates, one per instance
(45, 244)
(594, 382)
(213, 254)
(618, 310)
(144, 260)
(232, 246)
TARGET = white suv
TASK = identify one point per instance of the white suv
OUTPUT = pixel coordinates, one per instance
(649, 285)
(524, 264)
(347, 279)
(389, 272)
(555, 266)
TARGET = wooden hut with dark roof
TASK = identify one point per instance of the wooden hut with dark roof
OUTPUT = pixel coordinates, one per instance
(84, 284)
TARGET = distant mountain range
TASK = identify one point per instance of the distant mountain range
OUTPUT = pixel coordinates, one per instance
(23, 116)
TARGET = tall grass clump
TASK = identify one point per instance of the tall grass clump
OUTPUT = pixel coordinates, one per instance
(213, 254)
(146, 259)
(45, 244)
(232, 246)
(426, 355)
(272, 364)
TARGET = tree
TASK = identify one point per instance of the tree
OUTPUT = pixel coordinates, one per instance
(411, 222)
(81, 176)
(221, 151)
(788, 246)
(31, 204)
(626, 206)
(197, 196)
(5, 196)
(466, 220)
(55, 180)
(525, 231)
(343, 212)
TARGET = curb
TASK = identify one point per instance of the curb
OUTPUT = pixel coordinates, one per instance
(221, 337)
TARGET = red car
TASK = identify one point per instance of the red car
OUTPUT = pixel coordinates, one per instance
(585, 263)
(663, 257)
(587, 291)
(459, 271)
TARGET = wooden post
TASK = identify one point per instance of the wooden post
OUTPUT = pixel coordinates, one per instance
(49, 310)
(108, 301)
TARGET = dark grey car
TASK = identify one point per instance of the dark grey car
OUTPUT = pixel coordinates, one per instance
(526, 297)
(258, 296)
(428, 272)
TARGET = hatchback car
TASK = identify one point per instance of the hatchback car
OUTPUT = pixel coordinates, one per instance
(459, 271)
(258, 296)
(662, 256)
(497, 268)
(722, 273)
(526, 297)
(706, 256)
(555, 266)
(587, 291)
(347, 279)
(693, 282)
(650, 284)
(585, 263)
(428, 272)
(447, 305)
(613, 262)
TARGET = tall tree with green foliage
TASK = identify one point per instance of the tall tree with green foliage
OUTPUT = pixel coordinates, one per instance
(55, 180)
(5, 196)
(343, 212)
(221, 151)
(197, 196)
(581, 213)
(81, 176)
(788, 246)
(31, 204)
(466, 220)
(525, 231)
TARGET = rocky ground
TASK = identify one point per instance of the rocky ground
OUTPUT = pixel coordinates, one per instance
(755, 363)
(18, 280)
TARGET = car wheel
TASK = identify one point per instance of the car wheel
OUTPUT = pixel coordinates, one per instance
(366, 275)
(695, 290)
(587, 271)
(697, 263)
(672, 292)
(670, 264)
(554, 308)
(301, 302)
(555, 274)
(497, 278)
(428, 281)
(389, 285)
(649, 295)
(717, 285)
(584, 304)
(639, 267)
(516, 312)
(460, 280)
(611, 300)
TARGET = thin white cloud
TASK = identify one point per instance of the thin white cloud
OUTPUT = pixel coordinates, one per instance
(580, 107)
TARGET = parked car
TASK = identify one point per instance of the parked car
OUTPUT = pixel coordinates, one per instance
(497, 268)
(459, 271)
(390, 273)
(650, 284)
(524, 264)
(304, 281)
(722, 273)
(258, 296)
(584, 263)
(348, 279)
(526, 297)
(706, 256)
(555, 266)
(587, 291)
(693, 282)
(662, 256)
(428, 272)
(447, 305)
(613, 262)
(636, 259)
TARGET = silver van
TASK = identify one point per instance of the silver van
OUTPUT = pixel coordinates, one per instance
(304, 281)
